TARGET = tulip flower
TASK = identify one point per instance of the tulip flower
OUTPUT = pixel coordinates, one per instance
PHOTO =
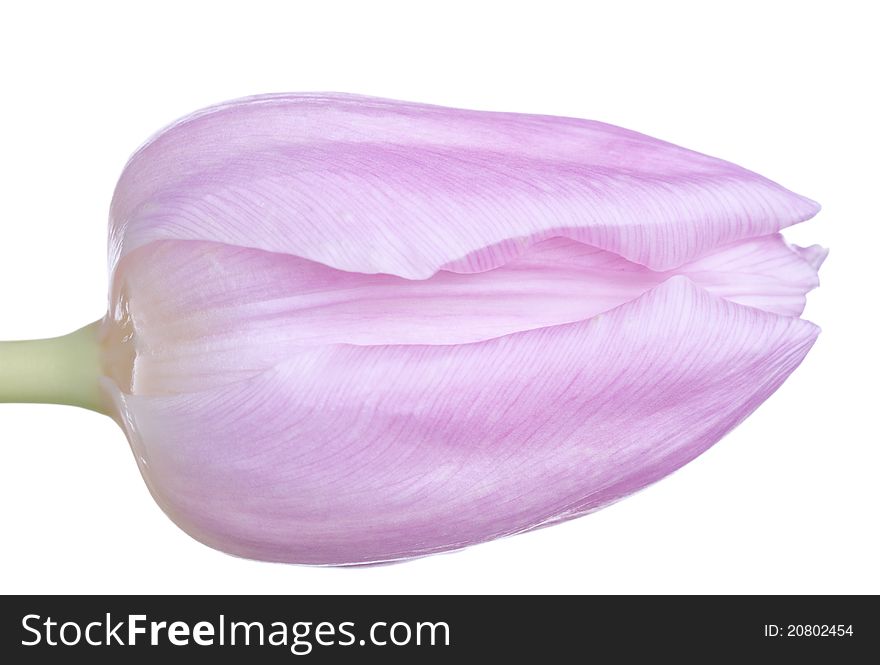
(347, 330)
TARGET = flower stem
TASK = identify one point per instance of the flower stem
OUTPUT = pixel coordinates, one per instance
(60, 370)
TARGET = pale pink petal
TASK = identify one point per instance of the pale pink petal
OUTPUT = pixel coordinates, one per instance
(206, 314)
(815, 255)
(377, 186)
(353, 454)
(763, 272)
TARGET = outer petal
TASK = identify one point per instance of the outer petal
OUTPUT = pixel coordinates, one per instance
(351, 454)
(206, 314)
(377, 186)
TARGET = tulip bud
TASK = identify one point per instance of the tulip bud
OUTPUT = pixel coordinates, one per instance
(349, 330)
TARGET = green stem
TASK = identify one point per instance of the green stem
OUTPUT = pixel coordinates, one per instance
(60, 370)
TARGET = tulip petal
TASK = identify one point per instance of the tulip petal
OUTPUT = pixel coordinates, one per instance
(376, 186)
(766, 273)
(358, 454)
(814, 255)
(207, 313)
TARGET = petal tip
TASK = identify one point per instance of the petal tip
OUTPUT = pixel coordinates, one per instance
(811, 207)
(814, 255)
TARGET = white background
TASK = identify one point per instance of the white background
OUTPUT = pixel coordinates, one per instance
(786, 503)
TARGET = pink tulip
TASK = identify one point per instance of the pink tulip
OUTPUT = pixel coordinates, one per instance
(350, 330)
